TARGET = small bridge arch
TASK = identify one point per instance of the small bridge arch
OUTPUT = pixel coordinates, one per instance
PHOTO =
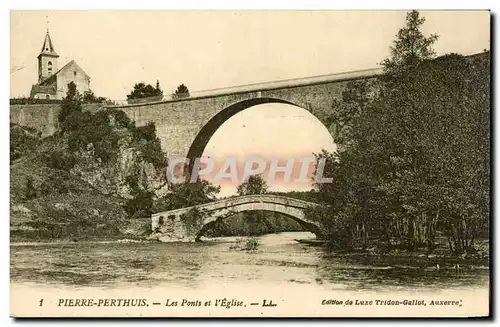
(174, 226)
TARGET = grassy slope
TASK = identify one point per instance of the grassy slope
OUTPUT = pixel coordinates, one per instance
(66, 208)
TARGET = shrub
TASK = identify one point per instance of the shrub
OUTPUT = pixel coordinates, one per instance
(151, 152)
(335, 224)
(29, 189)
(22, 141)
(250, 244)
(146, 132)
(59, 160)
(121, 118)
(57, 183)
(140, 205)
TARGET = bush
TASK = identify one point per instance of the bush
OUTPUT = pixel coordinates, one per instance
(151, 152)
(143, 90)
(29, 189)
(187, 195)
(334, 224)
(121, 118)
(146, 132)
(22, 141)
(59, 160)
(95, 129)
(77, 120)
(55, 183)
(141, 204)
(250, 244)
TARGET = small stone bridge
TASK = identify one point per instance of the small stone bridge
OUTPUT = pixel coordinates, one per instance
(189, 224)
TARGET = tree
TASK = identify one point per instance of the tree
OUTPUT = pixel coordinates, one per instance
(255, 185)
(181, 92)
(71, 109)
(343, 122)
(90, 97)
(141, 203)
(23, 140)
(410, 47)
(187, 194)
(142, 90)
(256, 222)
(416, 159)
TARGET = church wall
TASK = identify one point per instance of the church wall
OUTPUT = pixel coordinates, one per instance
(66, 76)
(44, 96)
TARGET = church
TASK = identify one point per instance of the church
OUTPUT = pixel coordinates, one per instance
(53, 82)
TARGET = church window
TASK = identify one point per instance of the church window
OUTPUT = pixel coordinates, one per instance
(47, 97)
(74, 73)
(49, 65)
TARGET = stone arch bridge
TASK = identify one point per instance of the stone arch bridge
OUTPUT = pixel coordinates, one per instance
(181, 225)
(185, 125)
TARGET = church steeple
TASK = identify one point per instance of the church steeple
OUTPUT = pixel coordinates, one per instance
(47, 59)
(48, 47)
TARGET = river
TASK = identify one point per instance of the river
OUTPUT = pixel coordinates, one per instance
(278, 260)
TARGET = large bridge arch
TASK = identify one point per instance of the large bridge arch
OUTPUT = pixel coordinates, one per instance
(208, 130)
(184, 125)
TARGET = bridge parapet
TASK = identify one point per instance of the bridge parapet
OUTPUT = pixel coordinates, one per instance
(234, 201)
(263, 86)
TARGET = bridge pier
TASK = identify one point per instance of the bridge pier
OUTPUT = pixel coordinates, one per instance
(172, 228)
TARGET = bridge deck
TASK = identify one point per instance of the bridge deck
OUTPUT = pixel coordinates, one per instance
(238, 200)
(263, 86)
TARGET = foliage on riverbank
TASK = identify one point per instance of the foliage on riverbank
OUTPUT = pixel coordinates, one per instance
(414, 172)
(400, 257)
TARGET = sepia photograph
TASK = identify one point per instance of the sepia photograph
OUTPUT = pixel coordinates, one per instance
(267, 163)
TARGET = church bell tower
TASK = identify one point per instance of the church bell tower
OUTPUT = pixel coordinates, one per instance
(47, 59)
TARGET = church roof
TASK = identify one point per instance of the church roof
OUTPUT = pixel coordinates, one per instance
(49, 89)
(53, 77)
(75, 65)
(48, 47)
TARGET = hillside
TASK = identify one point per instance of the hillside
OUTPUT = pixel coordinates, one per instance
(86, 183)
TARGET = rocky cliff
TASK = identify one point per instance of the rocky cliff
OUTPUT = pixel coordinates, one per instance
(95, 181)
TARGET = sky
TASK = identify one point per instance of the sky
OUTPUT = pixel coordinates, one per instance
(214, 49)
(269, 131)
